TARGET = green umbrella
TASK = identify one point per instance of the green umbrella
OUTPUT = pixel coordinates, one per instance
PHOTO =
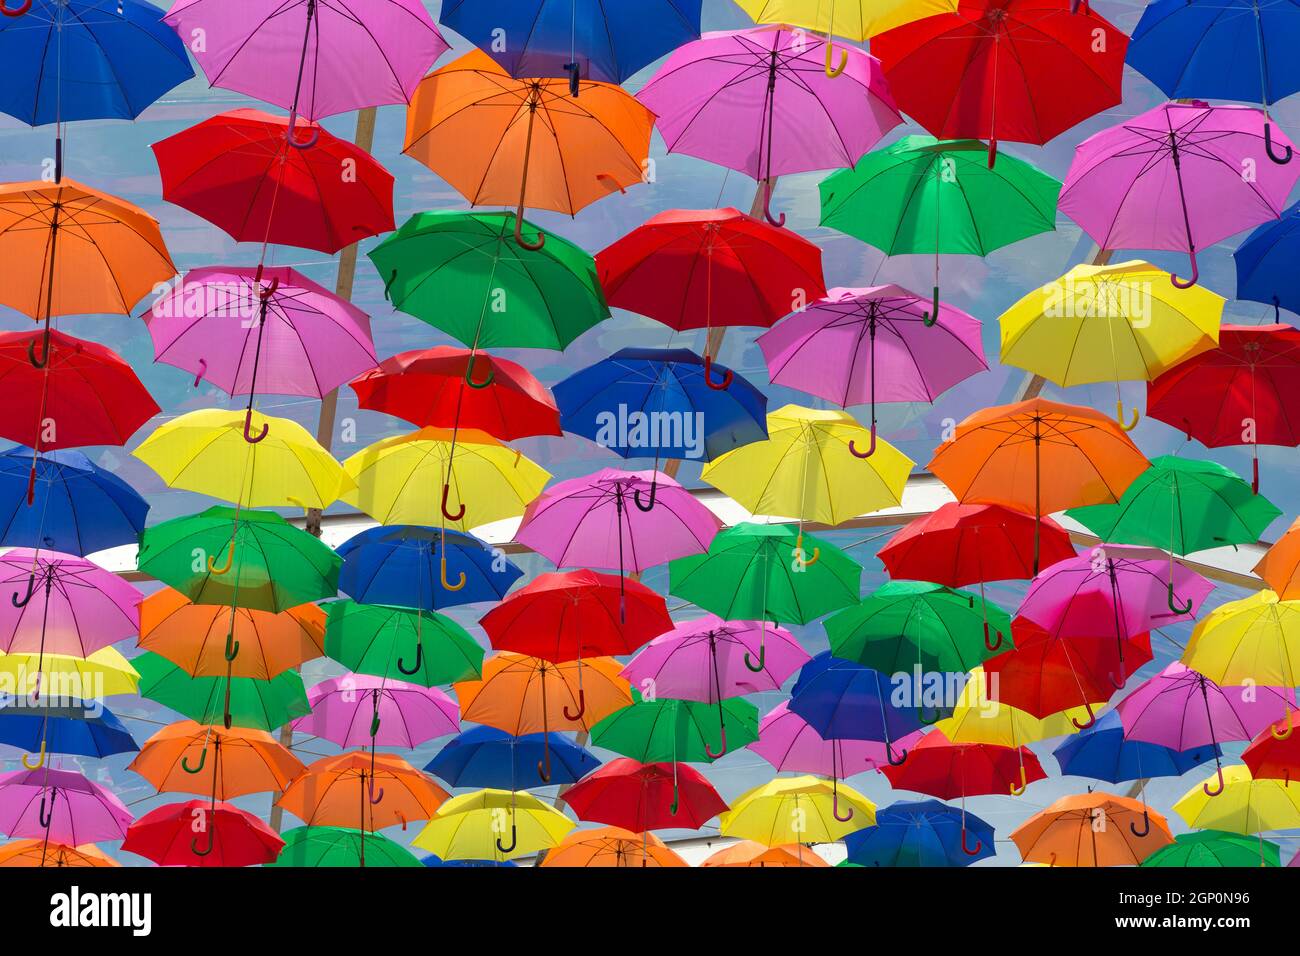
(238, 701)
(666, 731)
(398, 643)
(462, 273)
(903, 624)
(751, 573)
(922, 195)
(1216, 848)
(341, 846)
(1182, 505)
(267, 564)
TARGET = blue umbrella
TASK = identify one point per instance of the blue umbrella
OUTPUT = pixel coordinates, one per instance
(73, 727)
(1221, 50)
(434, 861)
(487, 757)
(844, 700)
(424, 568)
(71, 60)
(1266, 261)
(1101, 752)
(920, 833)
(640, 402)
(603, 40)
(76, 507)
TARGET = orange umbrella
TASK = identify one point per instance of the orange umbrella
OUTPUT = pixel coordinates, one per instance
(749, 853)
(527, 695)
(611, 846)
(1038, 457)
(362, 791)
(194, 636)
(1091, 829)
(189, 757)
(501, 141)
(1280, 565)
(41, 853)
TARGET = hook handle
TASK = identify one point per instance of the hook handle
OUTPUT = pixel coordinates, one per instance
(371, 795)
(44, 360)
(1119, 417)
(894, 760)
(248, 424)
(232, 646)
(419, 660)
(1171, 601)
(312, 136)
(446, 513)
(1268, 147)
(1290, 727)
(1206, 786)
(708, 750)
(727, 378)
(46, 814)
(1024, 781)
(833, 71)
(15, 11)
(544, 765)
(802, 555)
(1092, 718)
(969, 851)
(519, 235)
(514, 831)
(1196, 273)
(203, 759)
(230, 560)
(996, 644)
(582, 707)
(767, 206)
(447, 585)
(1118, 684)
(469, 373)
(265, 293)
(871, 449)
(759, 666)
(835, 808)
(203, 370)
(1146, 825)
(928, 319)
(31, 589)
(40, 757)
(212, 841)
(654, 490)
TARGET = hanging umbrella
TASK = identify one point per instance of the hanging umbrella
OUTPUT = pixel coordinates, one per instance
(666, 405)
(1021, 71)
(104, 673)
(1280, 566)
(487, 757)
(759, 101)
(62, 604)
(66, 726)
(795, 810)
(370, 791)
(188, 757)
(1255, 640)
(853, 19)
(653, 729)
(41, 853)
(978, 717)
(357, 710)
(1171, 179)
(1109, 323)
(938, 767)
(240, 172)
(528, 143)
(588, 40)
(641, 797)
(266, 563)
(1040, 457)
(472, 826)
(174, 835)
(1088, 829)
(77, 507)
(413, 566)
(234, 701)
(1242, 805)
(920, 833)
(611, 846)
(1215, 848)
(788, 742)
(429, 387)
(60, 806)
(749, 853)
(1263, 263)
(1237, 394)
(1273, 754)
(340, 846)
(926, 196)
(396, 479)
(400, 643)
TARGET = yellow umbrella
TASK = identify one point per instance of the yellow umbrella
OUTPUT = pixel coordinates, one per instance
(1122, 322)
(493, 825)
(976, 719)
(205, 451)
(399, 479)
(102, 674)
(1252, 641)
(807, 470)
(797, 810)
(1244, 806)
(852, 19)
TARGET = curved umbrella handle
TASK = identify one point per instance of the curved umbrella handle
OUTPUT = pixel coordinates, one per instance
(1186, 609)
(1206, 786)
(996, 644)
(194, 844)
(232, 647)
(833, 71)
(203, 759)
(761, 665)
(654, 491)
(925, 718)
(514, 841)
(519, 235)
(371, 795)
(40, 758)
(265, 293)
(835, 809)
(248, 425)
(1290, 727)
(1119, 417)
(388, 286)
(1017, 790)
(931, 317)
(709, 751)
(767, 207)
(894, 760)
(446, 490)
(307, 143)
(230, 560)
(1118, 684)
(419, 660)
(45, 346)
(1146, 825)
(582, 707)
(871, 449)
(1268, 147)
(469, 374)
(807, 561)
(46, 814)
(203, 370)
(15, 11)
(447, 585)
(544, 765)
(727, 378)
(1196, 274)
(1092, 718)
(31, 589)
(979, 844)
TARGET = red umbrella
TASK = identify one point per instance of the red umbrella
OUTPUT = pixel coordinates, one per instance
(1017, 70)
(430, 387)
(1237, 394)
(238, 171)
(700, 268)
(641, 797)
(1045, 675)
(1274, 754)
(85, 394)
(194, 833)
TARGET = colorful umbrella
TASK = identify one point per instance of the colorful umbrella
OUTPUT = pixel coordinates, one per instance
(235, 701)
(980, 718)
(488, 757)
(62, 604)
(654, 729)
(920, 833)
(340, 846)
(1242, 805)
(357, 710)
(40, 853)
(1088, 829)
(68, 726)
(788, 742)
(192, 758)
(172, 835)
(1280, 566)
(472, 826)
(1263, 263)
(941, 768)
(1255, 640)
(399, 644)
(1215, 848)
(1273, 754)
(641, 797)
(854, 19)
(60, 806)
(372, 791)
(612, 846)
(796, 810)
(103, 674)
(752, 853)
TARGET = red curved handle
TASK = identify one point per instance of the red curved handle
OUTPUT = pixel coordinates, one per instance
(996, 644)
(1196, 274)
(446, 490)
(16, 11)
(1092, 719)
(767, 208)
(1206, 786)
(835, 809)
(270, 290)
(248, 425)
(979, 844)
(727, 378)
(871, 449)
(713, 755)
(582, 707)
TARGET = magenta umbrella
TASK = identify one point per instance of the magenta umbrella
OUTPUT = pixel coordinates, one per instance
(356, 710)
(55, 603)
(760, 101)
(282, 335)
(60, 806)
(1182, 709)
(1175, 178)
(314, 58)
(863, 346)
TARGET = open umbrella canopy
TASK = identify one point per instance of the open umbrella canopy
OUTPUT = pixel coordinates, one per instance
(42, 853)
(852, 19)
(367, 790)
(749, 853)
(1241, 804)
(1091, 829)
(788, 742)
(662, 729)
(60, 806)
(492, 825)
(641, 797)
(102, 674)
(1255, 640)
(341, 846)
(488, 757)
(1279, 568)
(67, 726)
(1263, 270)
(612, 846)
(938, 767)
(528, 695)
(193, 833)
(979, 717)
(189, 757)
(239, 701)
(796, 810)
(63, 604)
(844, 699)
(397, 643)
(358, 710)
(1215, 848)
(921, 833)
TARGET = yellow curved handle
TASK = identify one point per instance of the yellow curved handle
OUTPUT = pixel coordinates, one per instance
(1119, 417)
(807, 561)
(446, 585)
(230, 560)
(832, 71)
(1024, 783)
(1290, 727)
(40, 762)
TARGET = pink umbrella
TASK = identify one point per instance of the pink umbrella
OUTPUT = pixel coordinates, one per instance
(60, 806)
(760, 101)
(1182, 709)
(1174, 178)
(314, 58)
(1119, 588)
(360, 711)
(61, 604)
(863, 346)
(292, 338)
